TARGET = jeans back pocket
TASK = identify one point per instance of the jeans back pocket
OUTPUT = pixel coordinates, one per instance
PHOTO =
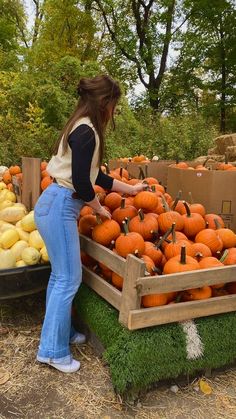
(45, 202)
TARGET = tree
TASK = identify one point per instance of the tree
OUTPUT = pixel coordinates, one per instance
(143, 31)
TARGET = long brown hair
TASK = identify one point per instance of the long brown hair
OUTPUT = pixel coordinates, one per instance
(98, 98)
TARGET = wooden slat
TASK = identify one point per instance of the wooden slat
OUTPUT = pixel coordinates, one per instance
(102, 254)
(103, 288)
(130, 298)
(139, 319)
(185, 280)
(31, 181)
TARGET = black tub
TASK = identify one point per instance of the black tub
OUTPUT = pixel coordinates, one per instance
(22, 281)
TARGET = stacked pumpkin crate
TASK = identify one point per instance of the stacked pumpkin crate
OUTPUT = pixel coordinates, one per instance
(158, 259)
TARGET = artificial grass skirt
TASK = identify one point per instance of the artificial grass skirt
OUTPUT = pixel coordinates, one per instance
(138, 359)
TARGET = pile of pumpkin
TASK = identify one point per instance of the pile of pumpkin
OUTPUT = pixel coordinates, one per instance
(46, 179)
(6, 175)
(20, 241)
(168, 235)
(219, 166)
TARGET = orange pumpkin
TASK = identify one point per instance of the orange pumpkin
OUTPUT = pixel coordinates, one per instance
(129, 243)
(113, 200)
(180, 263)
(6, 177)
(117, 280)
(43, 165)
(105, 232)
(201, 293)
(210, 238)
(14, 170)
(45, 182)
(146, 200)
(86, 224)
(154, 300)
(144, 224)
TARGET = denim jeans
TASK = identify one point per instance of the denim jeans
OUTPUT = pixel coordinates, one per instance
(56, 214)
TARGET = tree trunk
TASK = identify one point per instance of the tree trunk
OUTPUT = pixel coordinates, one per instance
(223, 82)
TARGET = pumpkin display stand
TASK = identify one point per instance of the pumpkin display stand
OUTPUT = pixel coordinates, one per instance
(139, 359)
(26, 280)
(145, 345)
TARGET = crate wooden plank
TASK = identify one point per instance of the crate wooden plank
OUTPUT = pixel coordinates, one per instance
(185, 280)
(130, 298)
(103, 288)
(17, 188)
(154, 316)
(102, 254)
(31, 181)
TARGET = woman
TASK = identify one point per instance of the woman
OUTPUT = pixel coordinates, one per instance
(75, 168)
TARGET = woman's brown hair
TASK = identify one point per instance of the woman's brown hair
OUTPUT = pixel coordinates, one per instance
(98, 98)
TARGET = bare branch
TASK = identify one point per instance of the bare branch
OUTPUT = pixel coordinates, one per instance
(167, 39)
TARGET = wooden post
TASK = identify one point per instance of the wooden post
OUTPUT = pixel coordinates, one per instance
(17, 188)
(130, 299)
(31, 181)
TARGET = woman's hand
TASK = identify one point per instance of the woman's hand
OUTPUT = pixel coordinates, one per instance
(103, 213)
(138, 188)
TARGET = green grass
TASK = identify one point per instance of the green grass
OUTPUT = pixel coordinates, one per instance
(138, 359)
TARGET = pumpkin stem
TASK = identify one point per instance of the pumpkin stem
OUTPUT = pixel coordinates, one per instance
(176, 200)
(205, 162)
(136, 253)
(199, 256)
(224, 256)
(154, 234)
(226, 158)
(157, 270)
(112, 245)
(164, 203)
(217, 224)
(141, 173)
(183, 255)
(163, 238)
(146, 170)
(191, 198)
(122, 203)
(207, 224)
(121, 172)
(125, 228)
(173, 233)
(187, 209)
(141, 214)
(107, 168)
(98, 218)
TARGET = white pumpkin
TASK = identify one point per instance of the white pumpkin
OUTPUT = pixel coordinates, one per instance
(30, 256)
(12, 214)
(35, 240)
(23, 234)
(44, 254)
(11, 196)
(7, 259)
(8, 238)
(18, 248)
(5, 204)
(20, 263)
(3, 186)
(5, 226)
(28, 223)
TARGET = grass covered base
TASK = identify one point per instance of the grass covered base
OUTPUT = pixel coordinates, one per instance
(138, 359)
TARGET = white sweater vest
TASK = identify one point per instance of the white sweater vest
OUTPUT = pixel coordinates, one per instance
(59, 167)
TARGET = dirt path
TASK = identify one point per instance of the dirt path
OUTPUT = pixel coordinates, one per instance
(35, 391)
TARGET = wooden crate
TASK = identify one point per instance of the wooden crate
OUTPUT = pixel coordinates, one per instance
(136, 284)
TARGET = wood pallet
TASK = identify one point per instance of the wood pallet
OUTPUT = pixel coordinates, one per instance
(136, 284)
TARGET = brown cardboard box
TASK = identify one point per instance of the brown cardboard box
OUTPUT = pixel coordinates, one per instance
(157, 169)
(216, 190)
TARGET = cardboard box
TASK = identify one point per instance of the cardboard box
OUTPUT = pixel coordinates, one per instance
(157, 169)
(216, 190)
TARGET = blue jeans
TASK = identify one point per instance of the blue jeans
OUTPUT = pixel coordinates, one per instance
(56, 214)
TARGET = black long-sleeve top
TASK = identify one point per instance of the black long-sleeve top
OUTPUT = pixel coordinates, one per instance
(82, 144)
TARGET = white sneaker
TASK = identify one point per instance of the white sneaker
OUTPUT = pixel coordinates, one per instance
(78, 338)
(73, 366)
